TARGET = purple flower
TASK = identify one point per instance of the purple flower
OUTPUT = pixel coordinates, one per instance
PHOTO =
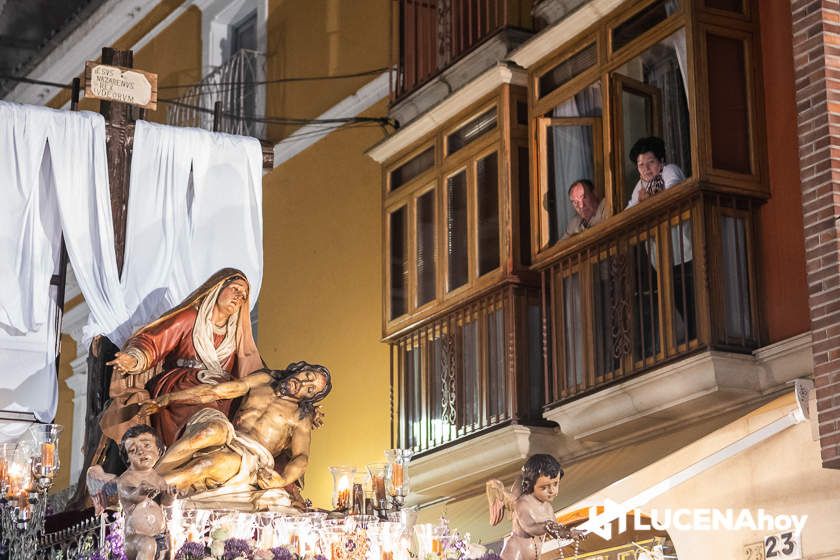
(191, 551)
(237, 548)
(319, 557)
(282, 553)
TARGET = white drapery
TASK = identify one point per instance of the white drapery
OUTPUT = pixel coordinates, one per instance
(194, 207)
(183, 225)
(53, 176)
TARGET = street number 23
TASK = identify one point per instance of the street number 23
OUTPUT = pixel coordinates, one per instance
(779, 546)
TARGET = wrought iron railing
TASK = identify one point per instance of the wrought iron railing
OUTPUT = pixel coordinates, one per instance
(470, 370)
(434, 33)
(231, 84)
(82, 541)
(658, 283)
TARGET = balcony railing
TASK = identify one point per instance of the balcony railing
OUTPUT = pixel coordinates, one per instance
(232, 84)
(456, 376)
(654, 284)
(435, 33)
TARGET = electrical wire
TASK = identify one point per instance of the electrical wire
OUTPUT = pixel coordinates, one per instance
(284, 80)
(266, 119)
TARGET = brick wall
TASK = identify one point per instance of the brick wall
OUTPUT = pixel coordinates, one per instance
(816, 51)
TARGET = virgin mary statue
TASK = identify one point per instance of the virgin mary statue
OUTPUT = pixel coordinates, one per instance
(207, 338)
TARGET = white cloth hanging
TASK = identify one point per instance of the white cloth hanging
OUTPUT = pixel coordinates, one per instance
(194, 207)
(53, 176)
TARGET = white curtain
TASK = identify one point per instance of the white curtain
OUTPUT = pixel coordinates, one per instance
(194, 207)
(53, 176)
(572, 151)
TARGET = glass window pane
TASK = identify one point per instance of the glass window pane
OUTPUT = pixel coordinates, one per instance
(398, 263)
(728, 107)
(470, 361)
(645, 297)
(568, 69)
(571, 156)
(573, 330)
(736, 278)
(412, 168)
(637, 119)
(496, 363)
(682, 277)
(653, 88)
(471, 131)
(456, 230)
(726, 5)
(604, 289)
(426, 248)
(438, 390)
(524, 186)
(522, 113)
(412, 398)
(487, 179)
(642, 21)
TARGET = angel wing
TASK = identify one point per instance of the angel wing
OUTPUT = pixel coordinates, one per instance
(102, 488)
(499, 500)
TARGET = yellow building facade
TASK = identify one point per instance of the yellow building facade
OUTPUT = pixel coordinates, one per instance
(333, 292)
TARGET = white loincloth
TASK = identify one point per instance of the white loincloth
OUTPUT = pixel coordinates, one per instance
(242, 489)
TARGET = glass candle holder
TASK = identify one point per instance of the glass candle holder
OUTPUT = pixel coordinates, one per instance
(397, 483)
(7, 456)
(359, 493)
(378, 474)
(45, 461)
(342, 486)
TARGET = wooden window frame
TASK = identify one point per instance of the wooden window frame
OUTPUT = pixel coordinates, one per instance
(696, 20)
(499, 140)
(540, 186)
(618, 84)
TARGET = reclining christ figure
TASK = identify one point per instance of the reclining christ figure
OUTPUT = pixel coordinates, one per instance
(275, 418)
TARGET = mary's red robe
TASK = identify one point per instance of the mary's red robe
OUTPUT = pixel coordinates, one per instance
(171, 342)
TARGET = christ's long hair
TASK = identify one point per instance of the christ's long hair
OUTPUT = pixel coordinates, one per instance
(307, 405)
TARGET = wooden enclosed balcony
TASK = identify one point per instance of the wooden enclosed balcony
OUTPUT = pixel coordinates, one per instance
(436, 33)
(666, 279)
(455, 376)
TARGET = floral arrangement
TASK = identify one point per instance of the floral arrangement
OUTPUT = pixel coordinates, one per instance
(114, 548)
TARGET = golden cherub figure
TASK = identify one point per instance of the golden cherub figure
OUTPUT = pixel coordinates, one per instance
(530, 505)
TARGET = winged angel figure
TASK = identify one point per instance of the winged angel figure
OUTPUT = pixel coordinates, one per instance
(529, 503)
(136, 489)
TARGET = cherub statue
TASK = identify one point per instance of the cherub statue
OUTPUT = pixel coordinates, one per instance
(529, 501)
(137, 488)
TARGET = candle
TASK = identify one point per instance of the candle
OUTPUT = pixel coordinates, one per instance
(397, 476)
(379, 488)
(48, 455)
(343, 500)
(437, 547)
(387, 555)
(4, 472)
(294, 543)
